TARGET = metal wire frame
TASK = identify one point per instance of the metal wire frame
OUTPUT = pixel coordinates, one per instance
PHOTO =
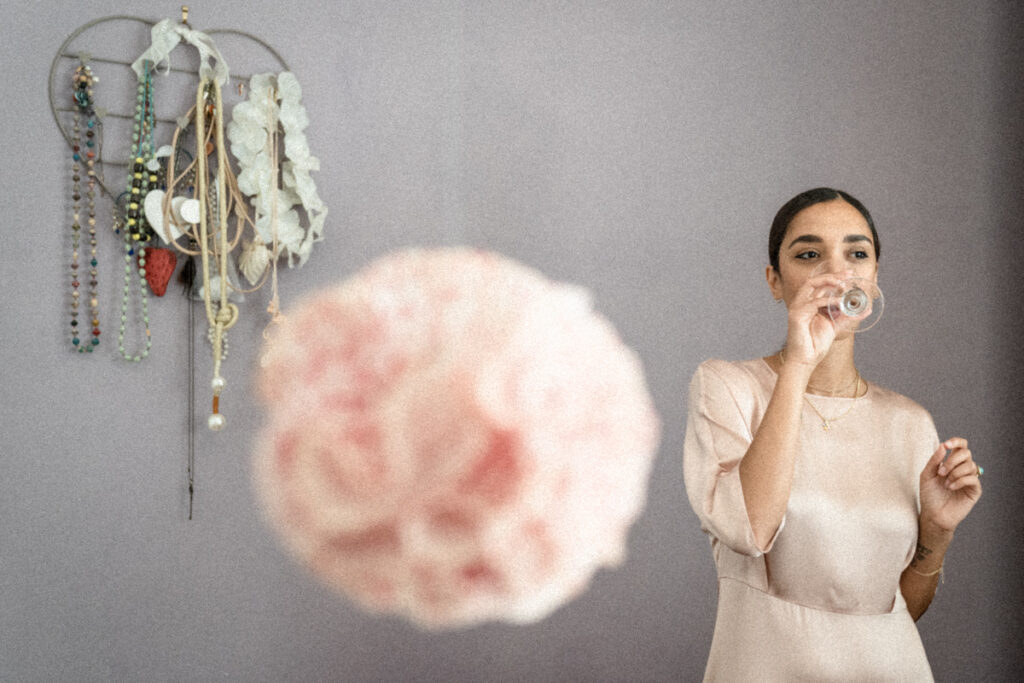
(63, 54)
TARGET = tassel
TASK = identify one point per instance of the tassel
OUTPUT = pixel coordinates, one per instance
(187, 276)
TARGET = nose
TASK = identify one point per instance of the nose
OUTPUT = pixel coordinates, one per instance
(836, 263)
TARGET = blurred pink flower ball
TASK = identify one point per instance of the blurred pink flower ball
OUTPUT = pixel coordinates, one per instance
(454, 438)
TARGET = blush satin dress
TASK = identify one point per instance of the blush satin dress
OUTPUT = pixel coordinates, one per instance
(822, 602)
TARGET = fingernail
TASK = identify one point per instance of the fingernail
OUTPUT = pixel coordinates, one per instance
(942, 470)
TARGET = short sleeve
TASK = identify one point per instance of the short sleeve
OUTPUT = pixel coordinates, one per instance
(718, 435)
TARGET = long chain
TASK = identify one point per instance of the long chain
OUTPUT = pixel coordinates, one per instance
(191, 393)
(226, 314)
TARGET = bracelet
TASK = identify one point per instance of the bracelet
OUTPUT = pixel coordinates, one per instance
(937, 571)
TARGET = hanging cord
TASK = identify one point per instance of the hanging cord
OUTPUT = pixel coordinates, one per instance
(209, 135)
(235, 202)
(226, 314)
(188, 276)
(274, 309)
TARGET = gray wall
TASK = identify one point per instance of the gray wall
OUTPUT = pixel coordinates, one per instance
(637, 148)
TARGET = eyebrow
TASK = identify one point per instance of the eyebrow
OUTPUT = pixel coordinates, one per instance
(814, 239)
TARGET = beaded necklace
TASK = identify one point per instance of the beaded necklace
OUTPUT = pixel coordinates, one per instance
(136, 231)
(83, 82)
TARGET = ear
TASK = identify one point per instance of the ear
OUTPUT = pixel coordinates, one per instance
(774, 282)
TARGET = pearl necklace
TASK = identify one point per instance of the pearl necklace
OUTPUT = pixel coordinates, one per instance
(83, 82)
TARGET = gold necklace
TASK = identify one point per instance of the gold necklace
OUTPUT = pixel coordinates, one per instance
(826, 422)
(841, 390)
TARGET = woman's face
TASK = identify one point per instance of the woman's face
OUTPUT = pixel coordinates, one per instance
(828, 237)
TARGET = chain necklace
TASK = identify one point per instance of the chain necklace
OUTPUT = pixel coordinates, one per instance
(826, 422)
(841, 390)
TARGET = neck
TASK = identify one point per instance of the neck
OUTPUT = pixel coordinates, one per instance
(837, 370)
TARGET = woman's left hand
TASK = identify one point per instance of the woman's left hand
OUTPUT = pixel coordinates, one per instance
(950, 485)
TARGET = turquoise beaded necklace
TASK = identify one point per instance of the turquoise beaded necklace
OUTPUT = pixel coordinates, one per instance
(136, 231)
(83, 82)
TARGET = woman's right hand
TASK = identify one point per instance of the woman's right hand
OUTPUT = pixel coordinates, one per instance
(811, 329)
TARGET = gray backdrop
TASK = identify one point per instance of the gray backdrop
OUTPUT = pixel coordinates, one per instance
(637, 148)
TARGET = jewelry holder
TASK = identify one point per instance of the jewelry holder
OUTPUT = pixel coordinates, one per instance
(173, 201)
(118, 30)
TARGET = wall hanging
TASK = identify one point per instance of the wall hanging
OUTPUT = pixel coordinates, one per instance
(175, 203)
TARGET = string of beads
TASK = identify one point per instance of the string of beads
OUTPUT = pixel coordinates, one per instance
(83, 83)
(136, 231)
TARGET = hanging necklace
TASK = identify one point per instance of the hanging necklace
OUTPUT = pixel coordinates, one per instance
(827, 422)
(83, 82)
(841, 390)
(204, 220)
(136, 231)
(216, 246)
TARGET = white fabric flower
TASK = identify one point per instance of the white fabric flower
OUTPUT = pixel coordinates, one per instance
(276, 101)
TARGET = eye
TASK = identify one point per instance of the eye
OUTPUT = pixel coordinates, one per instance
(807, 255)
(860, 255)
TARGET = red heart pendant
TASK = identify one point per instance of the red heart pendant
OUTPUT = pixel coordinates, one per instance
(160, 265)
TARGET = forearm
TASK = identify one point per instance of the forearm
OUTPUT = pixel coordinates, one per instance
(766, 472)
(921, 577)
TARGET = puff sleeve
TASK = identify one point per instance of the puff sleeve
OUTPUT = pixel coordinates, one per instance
(718, 434)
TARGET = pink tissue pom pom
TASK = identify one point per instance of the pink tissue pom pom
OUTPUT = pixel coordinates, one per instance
(453, 438)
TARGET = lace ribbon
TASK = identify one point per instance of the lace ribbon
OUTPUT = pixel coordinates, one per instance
(166, 35)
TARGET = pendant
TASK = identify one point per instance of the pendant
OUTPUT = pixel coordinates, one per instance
(826, 425)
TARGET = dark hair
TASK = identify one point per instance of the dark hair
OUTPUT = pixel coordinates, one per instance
(800, 202)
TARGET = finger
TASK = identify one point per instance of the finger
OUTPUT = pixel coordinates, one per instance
(955, 458)
(835, 279)
(955, 442)
(965, 469)
(809, 303)
(932, 466)
(807, 310)
(970, 485)
(818, 286)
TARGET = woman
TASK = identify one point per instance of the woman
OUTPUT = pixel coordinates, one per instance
(829, 500)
